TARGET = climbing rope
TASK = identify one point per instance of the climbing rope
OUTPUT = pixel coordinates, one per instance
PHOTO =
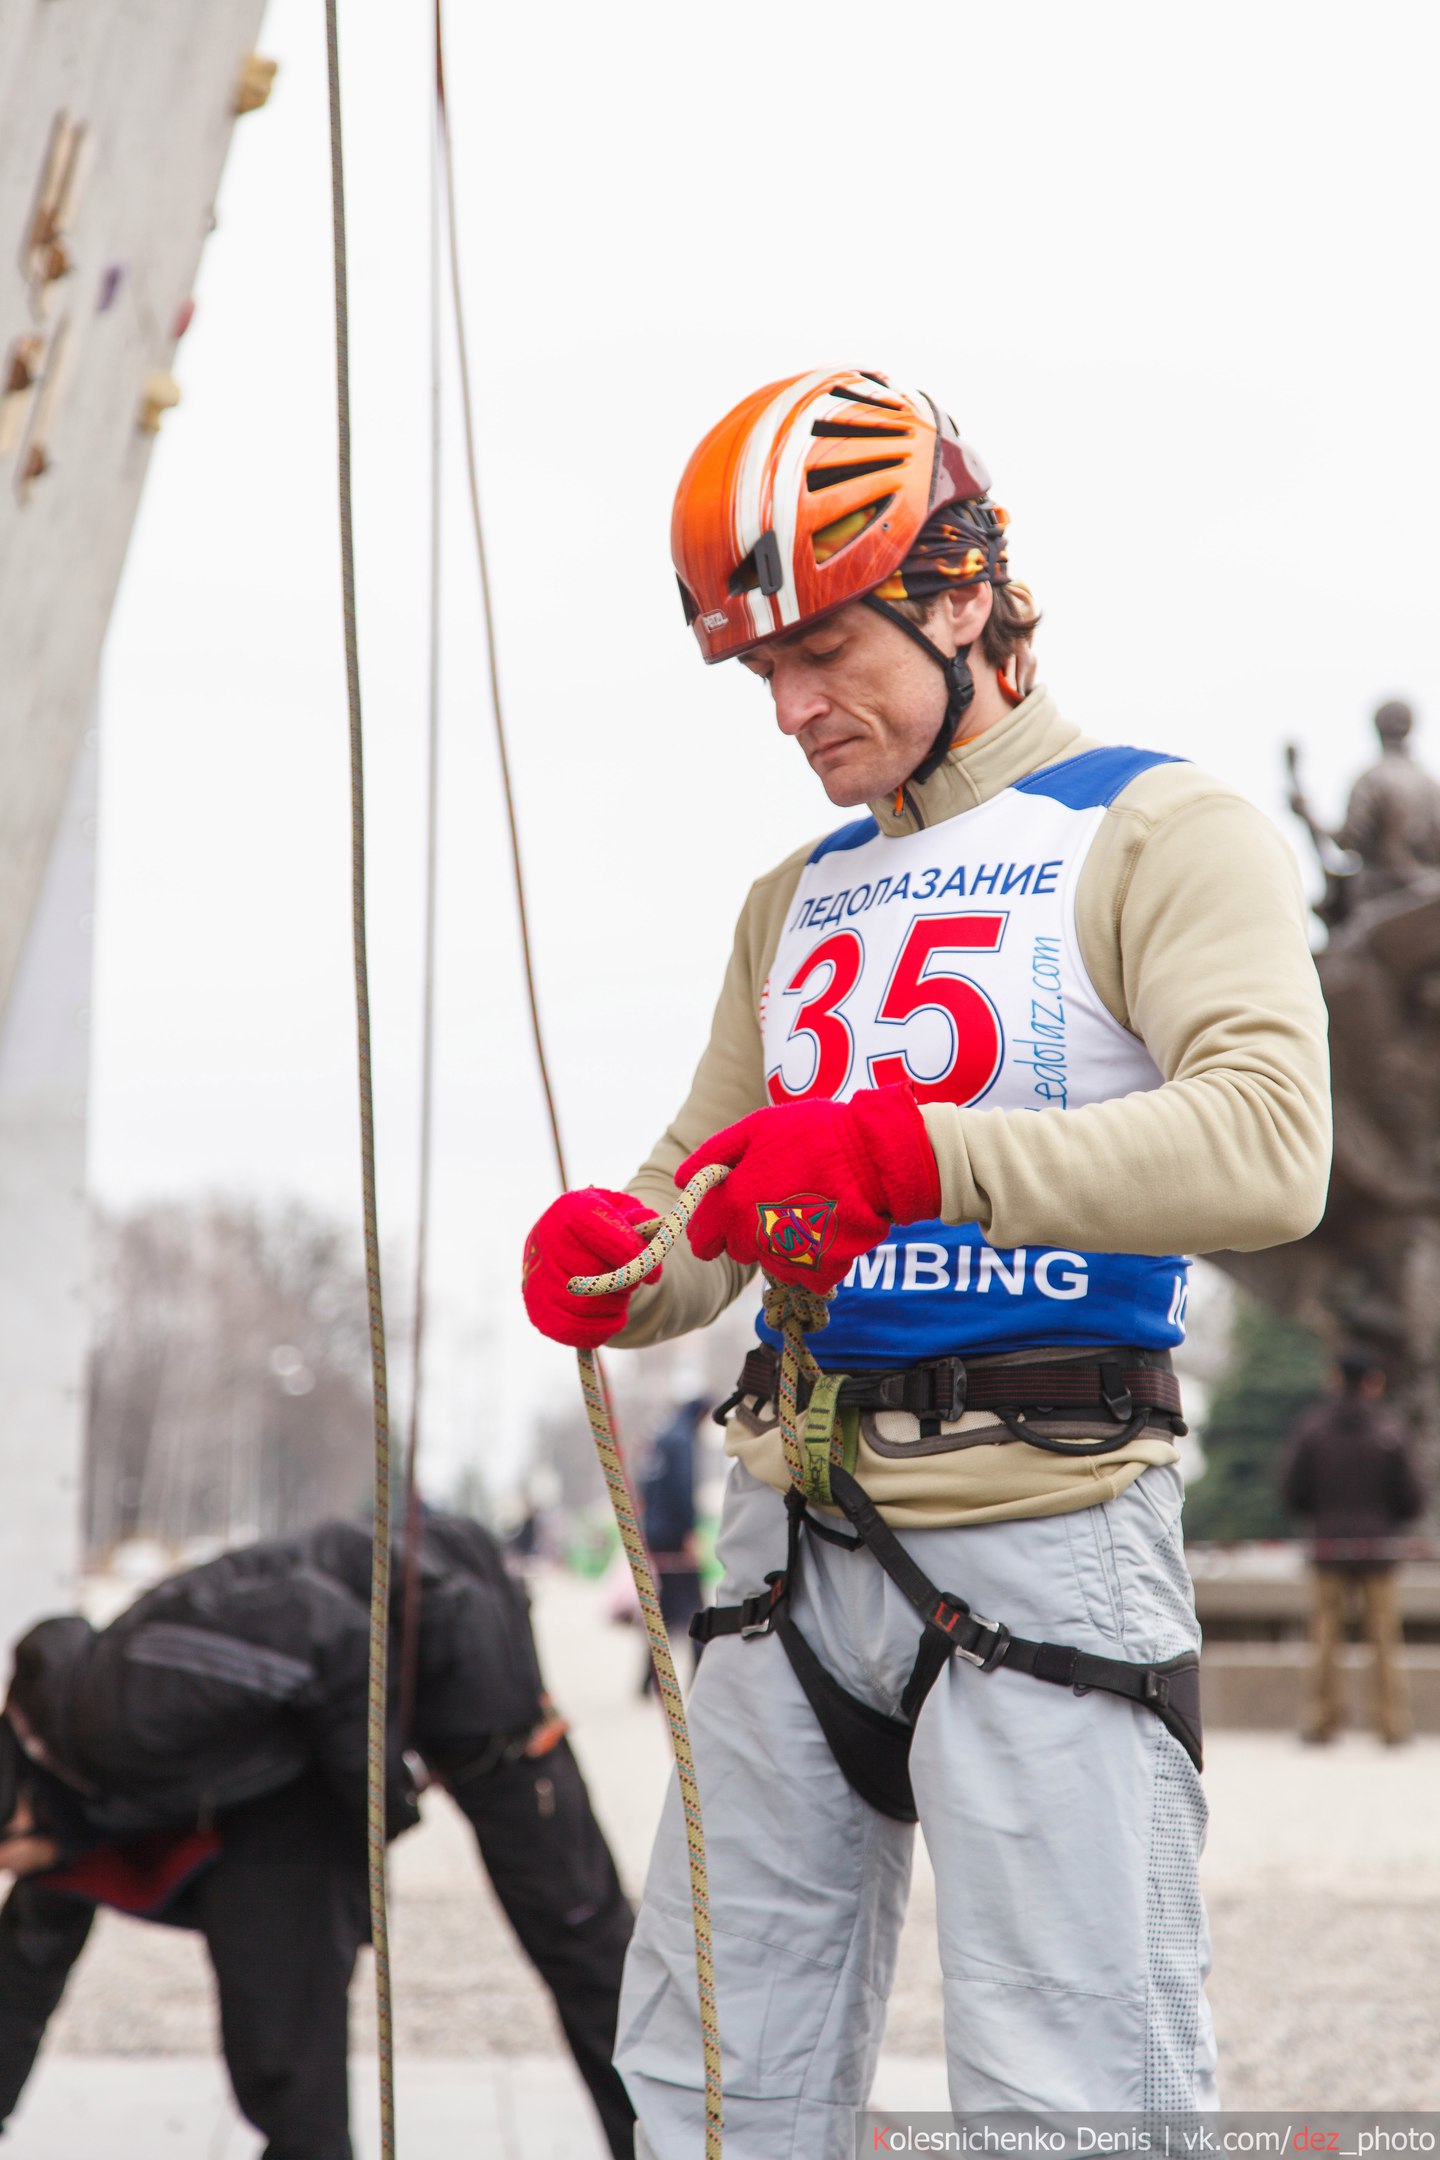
(472, 472)
(420, 1296)
(794, 1310)
(380, 1542)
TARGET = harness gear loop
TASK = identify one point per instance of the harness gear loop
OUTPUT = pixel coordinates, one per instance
(822, 1442)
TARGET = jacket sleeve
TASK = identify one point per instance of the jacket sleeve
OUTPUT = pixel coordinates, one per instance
(729, 1083)
(42, 1933)
(336, 1713)
(1195, 918)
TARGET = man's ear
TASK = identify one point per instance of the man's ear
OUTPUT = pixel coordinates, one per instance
(965, 610)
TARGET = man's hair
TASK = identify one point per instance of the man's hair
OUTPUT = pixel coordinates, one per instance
(1012, 622)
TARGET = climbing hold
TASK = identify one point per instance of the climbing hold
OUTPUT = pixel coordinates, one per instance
(161, 391)
(257, 80)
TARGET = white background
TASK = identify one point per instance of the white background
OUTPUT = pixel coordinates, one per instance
(1171, 270)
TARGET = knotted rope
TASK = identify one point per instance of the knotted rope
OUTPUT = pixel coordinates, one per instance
(793, 1310)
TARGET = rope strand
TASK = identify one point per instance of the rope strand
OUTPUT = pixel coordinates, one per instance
(793, 1309)
(380, 1543)
(410, 1592)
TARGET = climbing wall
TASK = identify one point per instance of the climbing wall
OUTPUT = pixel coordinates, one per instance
(115, 118)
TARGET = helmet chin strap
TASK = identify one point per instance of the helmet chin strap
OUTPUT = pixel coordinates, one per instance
(959, 682)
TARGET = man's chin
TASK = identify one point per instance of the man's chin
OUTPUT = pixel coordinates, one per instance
(846, 790)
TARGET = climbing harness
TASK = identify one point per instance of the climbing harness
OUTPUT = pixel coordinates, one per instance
(380, 1544)
(871, 1748)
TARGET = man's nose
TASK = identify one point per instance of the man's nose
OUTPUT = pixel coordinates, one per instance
(797, 701)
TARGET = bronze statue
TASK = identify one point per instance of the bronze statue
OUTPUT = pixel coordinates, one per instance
(1370, 1273)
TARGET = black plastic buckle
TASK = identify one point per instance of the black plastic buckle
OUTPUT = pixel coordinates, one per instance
(1114, 1393)
(1157, 1690)
(950, 1385)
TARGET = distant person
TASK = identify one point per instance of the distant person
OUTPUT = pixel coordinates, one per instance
(667, 1507)
(201, 1762)
(1350, 1467)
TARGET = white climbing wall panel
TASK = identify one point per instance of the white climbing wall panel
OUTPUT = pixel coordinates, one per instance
(115, 118)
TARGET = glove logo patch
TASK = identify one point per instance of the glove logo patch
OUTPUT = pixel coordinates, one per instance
(798, 1230)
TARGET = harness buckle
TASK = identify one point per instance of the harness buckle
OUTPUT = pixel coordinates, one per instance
(949, 1388)
(1157, 1690)
(1114, 1394)
(950, 1611)
(762, 1605)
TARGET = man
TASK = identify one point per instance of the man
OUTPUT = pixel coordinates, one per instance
(1349, 1466)
(201, 1762)
(1045, 1011)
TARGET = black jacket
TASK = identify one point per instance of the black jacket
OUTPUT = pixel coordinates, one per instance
(1350, 1467)
(233, 1679)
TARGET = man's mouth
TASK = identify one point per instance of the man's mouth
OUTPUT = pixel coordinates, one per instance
(817, 752)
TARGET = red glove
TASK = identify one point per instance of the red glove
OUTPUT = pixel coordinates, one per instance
(583, 1233)
(814, 1184)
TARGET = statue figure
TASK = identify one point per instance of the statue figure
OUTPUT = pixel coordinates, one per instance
(1370, 1273)
(1391, 833)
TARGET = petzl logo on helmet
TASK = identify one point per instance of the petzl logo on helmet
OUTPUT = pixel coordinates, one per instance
(797, 1230)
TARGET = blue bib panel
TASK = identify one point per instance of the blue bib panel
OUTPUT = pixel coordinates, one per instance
(950, 957)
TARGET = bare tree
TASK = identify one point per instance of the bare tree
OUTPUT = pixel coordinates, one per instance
(230, 1388)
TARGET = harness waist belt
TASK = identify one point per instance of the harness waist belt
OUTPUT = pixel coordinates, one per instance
(1118, 1382)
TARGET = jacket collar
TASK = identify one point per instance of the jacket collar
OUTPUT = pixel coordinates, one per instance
(1032, 736)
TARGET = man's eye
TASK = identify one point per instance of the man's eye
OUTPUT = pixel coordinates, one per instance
(831, 652)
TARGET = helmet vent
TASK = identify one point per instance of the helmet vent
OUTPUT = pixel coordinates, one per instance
(687, 599)
(859, 428)
(832, 540)
(858, 397)
(828, 476)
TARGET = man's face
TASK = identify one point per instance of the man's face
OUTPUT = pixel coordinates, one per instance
(859, 696)
(22, 1850)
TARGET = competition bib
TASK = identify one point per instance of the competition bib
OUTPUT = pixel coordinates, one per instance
(950, 958)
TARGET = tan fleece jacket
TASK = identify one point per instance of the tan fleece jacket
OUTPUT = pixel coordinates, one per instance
(1192, 927)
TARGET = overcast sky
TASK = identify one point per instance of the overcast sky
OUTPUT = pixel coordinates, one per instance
(1170, 270)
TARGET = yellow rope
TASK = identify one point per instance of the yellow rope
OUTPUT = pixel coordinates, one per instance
(793, 1310)
(380, 1545)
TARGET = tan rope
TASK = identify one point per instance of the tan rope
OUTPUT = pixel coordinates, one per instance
(472, 470)
(410, 1590)
(380, 1543)
(793, 1310)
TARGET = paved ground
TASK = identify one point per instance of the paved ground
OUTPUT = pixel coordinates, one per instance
(1323, 1875)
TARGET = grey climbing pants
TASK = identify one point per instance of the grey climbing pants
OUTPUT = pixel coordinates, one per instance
(1064, 1832)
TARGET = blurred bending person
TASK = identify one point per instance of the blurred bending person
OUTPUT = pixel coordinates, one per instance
(201, 1763)
(1350, 1467)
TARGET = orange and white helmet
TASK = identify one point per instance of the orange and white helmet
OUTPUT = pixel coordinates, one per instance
(811, 493)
